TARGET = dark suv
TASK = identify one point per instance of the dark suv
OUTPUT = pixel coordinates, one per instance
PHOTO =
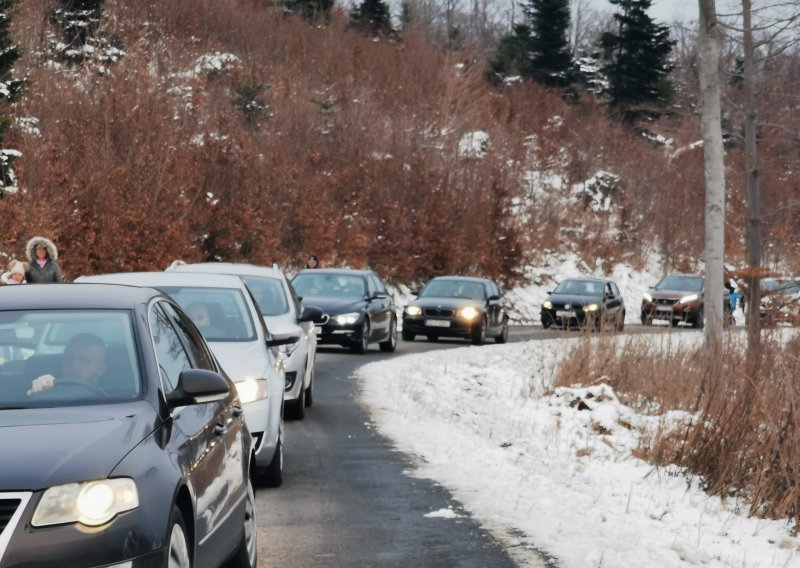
(679, 298)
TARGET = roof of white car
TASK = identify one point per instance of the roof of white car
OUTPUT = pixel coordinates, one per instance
(156, 279)
(240, 269)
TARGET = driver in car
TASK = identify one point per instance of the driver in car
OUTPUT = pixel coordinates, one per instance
(83, 361)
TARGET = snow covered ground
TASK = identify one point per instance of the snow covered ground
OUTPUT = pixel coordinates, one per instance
(536, 470)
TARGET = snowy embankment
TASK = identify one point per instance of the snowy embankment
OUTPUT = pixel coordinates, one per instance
(553, 468)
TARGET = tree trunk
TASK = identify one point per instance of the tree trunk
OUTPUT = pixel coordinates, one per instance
(713, 156)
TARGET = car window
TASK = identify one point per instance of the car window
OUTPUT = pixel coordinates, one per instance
(330, 285)
(48, 358)
(170, 354)
(225, 312)
(579, 288)
(198, 350)
(269, 294)
(493, 289)
(377, 285)
(681, 282)
(615, 289)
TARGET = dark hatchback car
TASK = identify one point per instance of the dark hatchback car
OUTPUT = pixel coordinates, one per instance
(457, 306)
(122, 443)
(357, 309)
(592, 303)
(679, 298)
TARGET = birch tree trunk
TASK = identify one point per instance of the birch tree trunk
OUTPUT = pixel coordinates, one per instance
(713, 157)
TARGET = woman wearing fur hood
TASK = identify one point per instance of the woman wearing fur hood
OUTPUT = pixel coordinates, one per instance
(42, 254)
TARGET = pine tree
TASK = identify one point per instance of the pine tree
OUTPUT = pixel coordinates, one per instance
(372, 17)
(538, 48)
(312, 10)
(637, 58)
(10, 89)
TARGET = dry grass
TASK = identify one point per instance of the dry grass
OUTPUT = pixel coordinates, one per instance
(746, 438)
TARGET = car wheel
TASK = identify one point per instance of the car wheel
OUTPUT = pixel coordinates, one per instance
(479, 333)
(698, 321)
(310, 391)
(298, 408)
(390, 344)
(546, 323)
(247, 553)
(273, 475)
(503, 337)
(408, 336)
(178, 554)
(674, 322)
(362, 344)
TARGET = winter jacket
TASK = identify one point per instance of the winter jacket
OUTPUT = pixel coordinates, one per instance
(50, 272)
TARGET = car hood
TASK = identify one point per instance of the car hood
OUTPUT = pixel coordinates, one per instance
(574, 300)
(242, 359)
(452, 303)
(45, 447)
(671, 294)
(335, 306)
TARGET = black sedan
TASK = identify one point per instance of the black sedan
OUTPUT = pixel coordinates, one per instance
(122, 443)
(592, 303)
(357, 307)
(457, 306)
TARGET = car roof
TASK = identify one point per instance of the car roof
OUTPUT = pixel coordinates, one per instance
(355, 271)
(684, 274)
(236, 268)
(158, 279)
(74, 296)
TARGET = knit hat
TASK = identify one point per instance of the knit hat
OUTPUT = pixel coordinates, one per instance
(16, 267)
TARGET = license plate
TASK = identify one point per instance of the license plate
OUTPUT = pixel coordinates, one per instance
(437, 323)
(565, 314)
(665, 309)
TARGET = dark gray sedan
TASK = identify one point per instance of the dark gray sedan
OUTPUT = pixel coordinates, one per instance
(592, 303)
(122, 442)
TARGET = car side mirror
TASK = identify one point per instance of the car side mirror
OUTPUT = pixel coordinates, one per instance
(414, 292)
(283, 341)
(310, 313)
(198, 386)
(493, 299)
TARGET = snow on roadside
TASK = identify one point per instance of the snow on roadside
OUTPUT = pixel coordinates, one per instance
(557, 465)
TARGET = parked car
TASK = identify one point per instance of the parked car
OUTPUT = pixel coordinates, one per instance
(285, 317)
(243, 345)
(457, 306)
(680, 298)
(124, 445)
(358, 307)
(780, 301)
(593, 303)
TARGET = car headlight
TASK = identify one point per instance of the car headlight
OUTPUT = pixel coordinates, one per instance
(689, 298)
(591, 308)
(251, 389)
(347, 319)
(92, 503)
(647, 297)
(469, 313)
(413, 310)
(548, 305)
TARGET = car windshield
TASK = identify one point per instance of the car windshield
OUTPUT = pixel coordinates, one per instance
(775, 286)
(221, 314)
(453, 289)
(329, 285)
(681, 282)
(55, 358)
(269, 293)
(580, 288)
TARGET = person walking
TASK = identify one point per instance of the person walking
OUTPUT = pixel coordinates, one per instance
(42, 254)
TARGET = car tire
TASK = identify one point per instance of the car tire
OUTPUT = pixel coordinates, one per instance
(390, 345)
(273, 474)
(699, 320)
(360, 347)
(408, 336)
(178, 552)
(479, 334)
(310, 391)
(546, 323)
(246, 555)
(297, 411)
(674, 322)
(503, 337)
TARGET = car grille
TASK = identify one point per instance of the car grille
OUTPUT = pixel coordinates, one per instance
(7, 509)
(439, 312)
(663, 302)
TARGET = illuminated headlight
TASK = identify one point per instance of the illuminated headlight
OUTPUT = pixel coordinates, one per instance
(689, 298)
(469, 313)
(413, 310)
(251, 389)
(591, 308)
(92, 503)
(647, 297)
(548, 305)
(347, 319)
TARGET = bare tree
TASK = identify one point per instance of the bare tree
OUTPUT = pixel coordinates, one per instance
(713, 156)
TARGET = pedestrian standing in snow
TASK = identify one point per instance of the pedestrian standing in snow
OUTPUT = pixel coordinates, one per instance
(15, 274)
(42, 254)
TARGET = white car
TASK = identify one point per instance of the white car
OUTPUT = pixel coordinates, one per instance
(243, 346)
(285, 317)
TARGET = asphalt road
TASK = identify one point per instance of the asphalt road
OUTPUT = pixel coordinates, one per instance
(346, 499)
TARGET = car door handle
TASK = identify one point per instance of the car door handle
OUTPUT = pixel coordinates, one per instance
(220, 429)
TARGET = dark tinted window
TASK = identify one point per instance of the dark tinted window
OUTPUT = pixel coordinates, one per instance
(170, 354)
(681, 282)
(580, 288)
(191, 338)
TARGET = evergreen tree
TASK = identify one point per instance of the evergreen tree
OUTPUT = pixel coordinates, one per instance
(637, 58)
(311, 10)
(78, 20)
(372, 17)
(10, 89)
(538, 48)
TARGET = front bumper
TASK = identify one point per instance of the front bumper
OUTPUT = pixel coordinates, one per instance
(334, 333)
(575, 317)
(671, 312)
(439, 326)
